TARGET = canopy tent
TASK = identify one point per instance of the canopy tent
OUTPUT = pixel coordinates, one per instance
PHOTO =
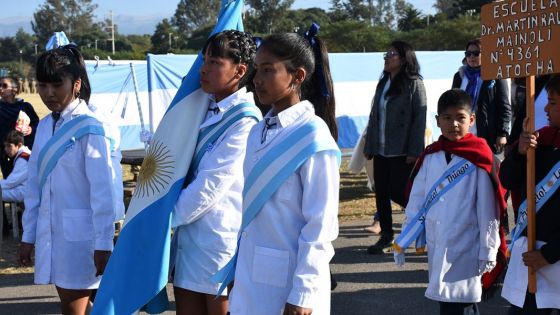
(113, 94)
(355, 77)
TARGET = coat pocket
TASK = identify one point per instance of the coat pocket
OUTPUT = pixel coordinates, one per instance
(289, 187)
(77, 224)
(270, 266)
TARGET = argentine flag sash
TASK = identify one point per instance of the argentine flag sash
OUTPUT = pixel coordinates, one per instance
(63, 139)
(543, 191)
(208, 136)
(270, 173)
(415, 230)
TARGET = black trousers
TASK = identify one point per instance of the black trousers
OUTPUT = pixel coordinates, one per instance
(529, 308)
(391, 178)
(450, 308)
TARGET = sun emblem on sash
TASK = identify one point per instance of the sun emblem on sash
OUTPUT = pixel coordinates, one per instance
(156, 171)
(550, 183)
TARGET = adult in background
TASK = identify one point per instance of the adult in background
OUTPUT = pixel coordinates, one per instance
(10, 106)
(490, 101)
(395, 133)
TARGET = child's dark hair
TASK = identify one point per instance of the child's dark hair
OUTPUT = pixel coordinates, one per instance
(61, 62)
(455, 98)
(410, 68)
(553, 84)
(235, 45)
(296, 52)
(14, 137)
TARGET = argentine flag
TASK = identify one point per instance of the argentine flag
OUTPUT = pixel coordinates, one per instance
(139, 266)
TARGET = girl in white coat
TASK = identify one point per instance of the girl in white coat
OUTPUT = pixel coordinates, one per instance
(70, 203)
(289, 215)
(207, 214)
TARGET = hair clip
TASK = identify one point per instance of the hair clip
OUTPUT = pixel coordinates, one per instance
(257, 40)
(311, 33)
(57, 40)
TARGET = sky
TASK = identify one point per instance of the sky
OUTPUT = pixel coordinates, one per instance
(130, 15)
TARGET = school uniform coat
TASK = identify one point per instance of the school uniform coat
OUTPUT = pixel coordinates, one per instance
(513, 176)
(284, 252)
(74, 213)
(13, 187)
(208, 211)
(461, 230)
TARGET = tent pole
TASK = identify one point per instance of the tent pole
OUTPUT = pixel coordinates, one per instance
(138, 101)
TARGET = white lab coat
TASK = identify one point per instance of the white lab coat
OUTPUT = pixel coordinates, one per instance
(13, 187)
(74, 213)
(515, 283)
(208, 210)
(461, 229)
(285, 251)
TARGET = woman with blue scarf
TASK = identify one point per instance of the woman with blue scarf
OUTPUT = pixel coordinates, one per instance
(490, 101)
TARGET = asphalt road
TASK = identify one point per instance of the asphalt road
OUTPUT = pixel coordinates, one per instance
(367, 284)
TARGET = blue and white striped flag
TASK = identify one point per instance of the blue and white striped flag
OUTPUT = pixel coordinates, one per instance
(139, 266)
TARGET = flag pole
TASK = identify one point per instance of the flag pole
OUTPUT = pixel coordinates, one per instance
(531, 229)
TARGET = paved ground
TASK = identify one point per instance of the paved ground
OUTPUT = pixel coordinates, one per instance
(366, 284)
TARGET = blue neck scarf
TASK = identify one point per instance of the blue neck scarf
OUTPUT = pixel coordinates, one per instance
(473, 75)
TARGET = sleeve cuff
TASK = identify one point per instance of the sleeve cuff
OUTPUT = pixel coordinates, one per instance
(488, 254)
(28, 237)
(549, 254)
(104, 244)
(301, 297)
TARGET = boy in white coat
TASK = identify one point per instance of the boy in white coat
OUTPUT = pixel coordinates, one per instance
(13, 187)
(455, 205)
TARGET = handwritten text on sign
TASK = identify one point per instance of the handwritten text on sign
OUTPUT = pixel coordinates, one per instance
(520, 38)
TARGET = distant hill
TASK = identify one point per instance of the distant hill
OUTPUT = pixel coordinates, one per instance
(126, 24)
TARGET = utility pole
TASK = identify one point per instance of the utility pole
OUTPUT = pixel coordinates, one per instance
(170, 40)
(112, 27)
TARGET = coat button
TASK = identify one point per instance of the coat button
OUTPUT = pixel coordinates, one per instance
(244, 234)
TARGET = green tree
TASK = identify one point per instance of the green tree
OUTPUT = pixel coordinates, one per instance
(266, 15)
(161, 37)
(444, 34)
(191, 15)
(74, 17)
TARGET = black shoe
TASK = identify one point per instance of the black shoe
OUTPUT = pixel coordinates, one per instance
(385, 241)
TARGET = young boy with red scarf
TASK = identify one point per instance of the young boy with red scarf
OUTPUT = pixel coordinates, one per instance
(545, 259)
(455, 207)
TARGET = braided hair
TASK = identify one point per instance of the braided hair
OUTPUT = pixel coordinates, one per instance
(65, 61)
(235, 45)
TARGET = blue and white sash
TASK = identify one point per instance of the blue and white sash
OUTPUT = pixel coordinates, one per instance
(63, 139)
(269, 174)
(415, 230)
(208, 135)
(543, 191)
(206, 139)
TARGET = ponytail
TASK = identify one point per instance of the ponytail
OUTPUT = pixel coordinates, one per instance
(319, 89)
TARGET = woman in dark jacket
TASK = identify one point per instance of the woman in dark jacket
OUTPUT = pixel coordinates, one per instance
(395, 133)
(490, 99)
(10, 106)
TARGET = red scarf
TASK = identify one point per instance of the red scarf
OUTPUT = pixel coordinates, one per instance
(477, 151)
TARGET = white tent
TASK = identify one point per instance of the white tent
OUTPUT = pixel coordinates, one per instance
(355, 77)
